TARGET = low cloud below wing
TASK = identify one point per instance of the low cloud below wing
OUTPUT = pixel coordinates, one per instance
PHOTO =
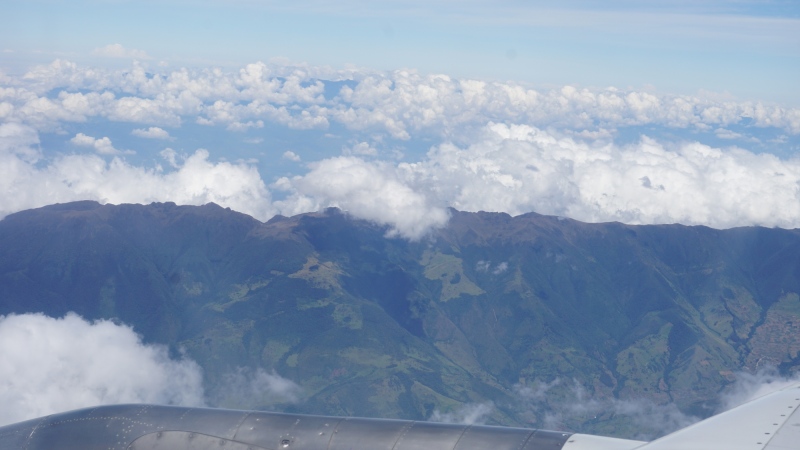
(247, 388)
(52, 365)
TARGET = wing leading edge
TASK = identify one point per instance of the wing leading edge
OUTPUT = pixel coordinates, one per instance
(767, 423)
(770, 422)
(149, 427)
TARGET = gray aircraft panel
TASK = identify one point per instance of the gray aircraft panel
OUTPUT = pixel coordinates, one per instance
(289, 430)
(374, 434)
(184, 440)
(546, 440)
(13, 437)
(425, 435)
(482, 437)
(766, 423)
(143, 427)
(217, 422)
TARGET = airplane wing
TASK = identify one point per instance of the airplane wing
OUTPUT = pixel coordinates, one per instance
(768, 423)
(149, 427)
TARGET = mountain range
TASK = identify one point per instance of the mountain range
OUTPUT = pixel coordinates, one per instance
(490, 308)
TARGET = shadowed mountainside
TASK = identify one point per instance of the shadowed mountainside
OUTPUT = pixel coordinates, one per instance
(375, 326)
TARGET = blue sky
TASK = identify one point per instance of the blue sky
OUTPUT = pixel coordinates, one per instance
(632, 111)
(747, 48)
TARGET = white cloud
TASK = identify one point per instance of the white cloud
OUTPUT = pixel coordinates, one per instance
(367, 190)
(571, 406)
(466, 414)
(196, 180)
(557, 405)
(722, 133)
(151, 133)
(502, 267)
(53, 365)
(509, 168)
(246, 388)
(19, 142)
(291, 156)
(118, 51)
(400, 103)
(102, 146)
(750, 386)
(486, 266)
(244, 126)
(523, 161)
(517, 169)
(360, 149)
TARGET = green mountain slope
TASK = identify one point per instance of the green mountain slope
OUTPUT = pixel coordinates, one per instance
(479, 311)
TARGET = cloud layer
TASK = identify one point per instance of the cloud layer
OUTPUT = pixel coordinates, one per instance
(490, 146)
(399, 103)
(510, 168)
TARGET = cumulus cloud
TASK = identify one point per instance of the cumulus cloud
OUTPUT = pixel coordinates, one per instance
(151, 133)
(518, 168)
(118, 51)
(246, 388)
(195, 180)
(510, 168)
(102, 146)
(466, 414)
(373, 191)
(291, 156)
(52, 365)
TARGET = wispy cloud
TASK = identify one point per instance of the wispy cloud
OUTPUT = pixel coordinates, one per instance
(247, 388)
(561, 404)
(151, 133)
(466, 414)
